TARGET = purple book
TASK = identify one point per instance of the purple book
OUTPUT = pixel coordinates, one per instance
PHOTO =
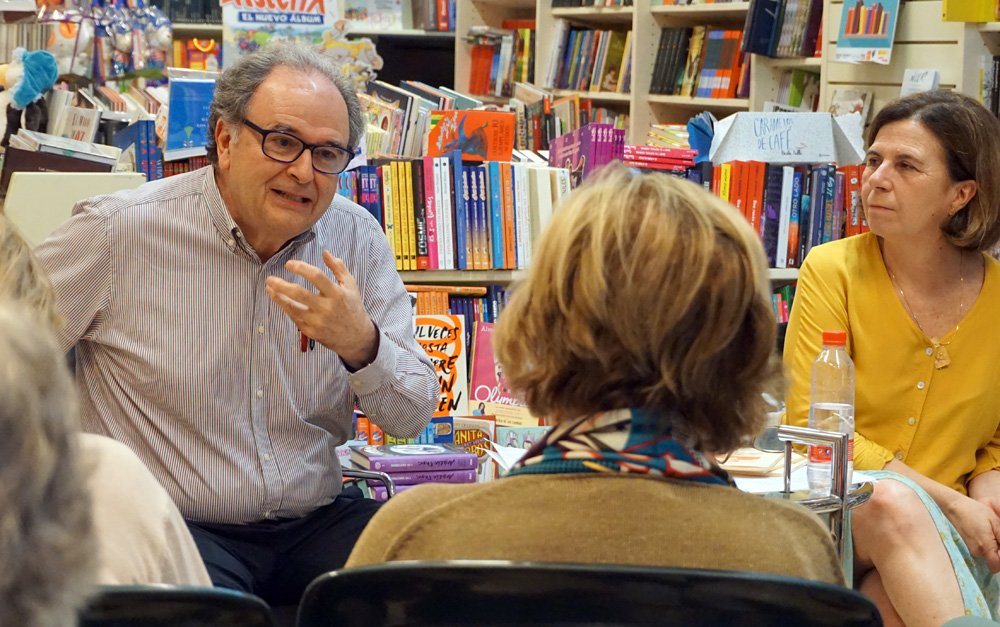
(396, 457)
(379, 493)
(467, 475)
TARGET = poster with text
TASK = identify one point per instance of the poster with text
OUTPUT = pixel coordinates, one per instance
(867, 28)
(250, 24)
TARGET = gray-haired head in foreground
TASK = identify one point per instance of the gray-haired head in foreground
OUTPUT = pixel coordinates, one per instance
(240, 81)
(48, 552)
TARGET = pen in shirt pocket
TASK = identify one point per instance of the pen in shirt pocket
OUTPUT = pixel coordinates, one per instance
(306, 342)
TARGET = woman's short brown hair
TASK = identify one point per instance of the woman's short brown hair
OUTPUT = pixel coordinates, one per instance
(970, 137)
(645, 291)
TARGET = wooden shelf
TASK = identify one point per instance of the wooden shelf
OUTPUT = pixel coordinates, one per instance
(792, 63)
(460, 276)
(700, 103)
(783, 274)
(216, 29)
(695, 14)
(597, 96)
(989, 27)
(478, 277)
(198, 28)
(521, 4)
(603, 15)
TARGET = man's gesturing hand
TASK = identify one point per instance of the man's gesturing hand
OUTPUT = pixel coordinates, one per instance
(335, 316)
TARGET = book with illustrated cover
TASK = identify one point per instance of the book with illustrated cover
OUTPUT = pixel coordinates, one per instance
(754, 462)
(479, 135)
(391, 458)
(443, 338)
(846, 101)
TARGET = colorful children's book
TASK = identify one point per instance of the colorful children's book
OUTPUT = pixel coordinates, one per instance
(520, 437)
(392, 458)
(479, 135)
(488, 384)
(476, 434)
(443, 338)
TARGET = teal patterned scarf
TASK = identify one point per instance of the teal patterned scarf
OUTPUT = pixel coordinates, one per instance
(620, 441)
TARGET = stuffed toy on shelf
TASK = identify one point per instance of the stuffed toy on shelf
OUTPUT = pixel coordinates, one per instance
(26, 79)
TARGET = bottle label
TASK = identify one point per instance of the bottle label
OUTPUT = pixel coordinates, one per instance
(820, 454)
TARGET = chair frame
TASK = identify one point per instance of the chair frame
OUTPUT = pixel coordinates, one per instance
(487, 592)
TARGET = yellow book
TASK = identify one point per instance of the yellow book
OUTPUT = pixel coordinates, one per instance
(410, 230)
(725, 178)
(397, 212)
(389, 214)
(968, 10)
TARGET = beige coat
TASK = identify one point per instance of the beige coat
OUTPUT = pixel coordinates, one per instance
(601, 519)
(141, 535)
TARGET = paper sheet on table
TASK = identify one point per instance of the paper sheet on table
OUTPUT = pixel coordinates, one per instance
(506, 456)
(759, 485)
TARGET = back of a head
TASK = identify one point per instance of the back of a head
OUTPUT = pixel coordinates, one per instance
(47, 549)
(21, 277)
(645, 291)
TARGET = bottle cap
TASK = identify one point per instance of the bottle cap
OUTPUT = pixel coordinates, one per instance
(834, 338)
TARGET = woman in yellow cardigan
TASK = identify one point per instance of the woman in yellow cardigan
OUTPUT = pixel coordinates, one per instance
(921, 305)
(644, 331)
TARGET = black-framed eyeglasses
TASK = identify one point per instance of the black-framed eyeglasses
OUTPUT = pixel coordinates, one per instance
(286, 148)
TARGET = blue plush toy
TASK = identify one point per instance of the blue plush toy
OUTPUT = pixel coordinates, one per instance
(28, 78)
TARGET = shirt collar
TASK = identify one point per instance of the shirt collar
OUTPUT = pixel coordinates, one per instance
(223, 220)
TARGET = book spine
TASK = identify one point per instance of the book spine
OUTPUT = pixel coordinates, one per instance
(391, 463)
(434, 476)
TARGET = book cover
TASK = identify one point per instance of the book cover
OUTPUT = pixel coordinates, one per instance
(443, 338)
(479, 135)
(412, 457)
(476, 434)
(488, 384)
(520, 437)
(867, 29)
(414, 477)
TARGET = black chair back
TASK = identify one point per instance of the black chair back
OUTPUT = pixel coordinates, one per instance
(174, 606)
(529, 593)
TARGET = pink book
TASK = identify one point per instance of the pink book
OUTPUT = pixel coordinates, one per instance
(431, 214)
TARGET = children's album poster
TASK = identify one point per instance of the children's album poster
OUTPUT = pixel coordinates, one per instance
(250, 24)
(867, 28)
(443, 339)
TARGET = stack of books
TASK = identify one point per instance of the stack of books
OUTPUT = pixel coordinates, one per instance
(413, 464)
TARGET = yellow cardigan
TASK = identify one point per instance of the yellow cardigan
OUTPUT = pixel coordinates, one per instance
(943, 423)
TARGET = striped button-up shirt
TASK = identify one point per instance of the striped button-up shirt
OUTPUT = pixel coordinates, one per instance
(181, 355)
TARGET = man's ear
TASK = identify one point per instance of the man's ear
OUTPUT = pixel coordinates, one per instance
(223, 143)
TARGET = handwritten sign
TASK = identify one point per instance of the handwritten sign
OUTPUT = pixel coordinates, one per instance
(783, 137)
(443, 339)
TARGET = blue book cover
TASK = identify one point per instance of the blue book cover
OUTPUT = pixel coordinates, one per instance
(495, 215)
(459, 196)
(771, 213)
(828, 196)
(816, 211)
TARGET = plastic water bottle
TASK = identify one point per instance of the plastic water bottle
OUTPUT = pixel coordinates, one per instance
(831, 406)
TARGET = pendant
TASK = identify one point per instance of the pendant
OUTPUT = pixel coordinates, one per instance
(941, 358)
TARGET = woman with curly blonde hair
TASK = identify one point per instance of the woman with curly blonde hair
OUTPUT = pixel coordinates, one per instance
(644, 332)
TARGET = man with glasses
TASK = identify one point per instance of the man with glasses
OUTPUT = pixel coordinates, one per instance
(226, 321)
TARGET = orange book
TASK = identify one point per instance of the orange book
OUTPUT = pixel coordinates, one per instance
(507, 196)
(716, 179)
(480, 135)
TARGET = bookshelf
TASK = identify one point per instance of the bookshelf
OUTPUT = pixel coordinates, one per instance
(480, 277)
